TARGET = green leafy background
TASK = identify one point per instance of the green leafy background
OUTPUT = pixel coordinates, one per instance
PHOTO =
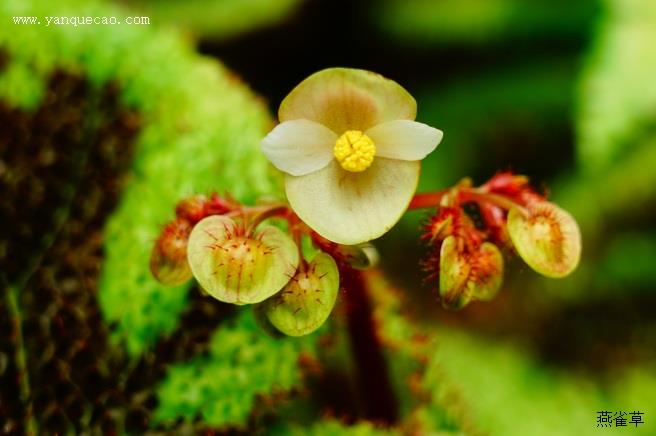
(560, 91)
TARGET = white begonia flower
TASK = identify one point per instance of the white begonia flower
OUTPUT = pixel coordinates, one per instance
(351, 151)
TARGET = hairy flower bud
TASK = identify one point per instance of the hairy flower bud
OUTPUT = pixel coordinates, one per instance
(467, 276)
(507, 183)
(236, 267)
(168, 260)
(442, 224)
(546, 237)
(192, 208)
(306, 301)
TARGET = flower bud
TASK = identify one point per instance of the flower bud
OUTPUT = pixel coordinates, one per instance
(236, 267)
(306, 301)
(442, 224)
(546, 237)
(168, 260)
(507, 183)
(495, 223)
(468, 275)
(191, 208)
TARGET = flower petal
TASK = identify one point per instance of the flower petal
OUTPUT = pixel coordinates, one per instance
(404, 139)
(351, 208)
(299, 147)
(348, 99)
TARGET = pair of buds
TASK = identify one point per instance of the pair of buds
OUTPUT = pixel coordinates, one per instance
(238, 260)
(508, 216)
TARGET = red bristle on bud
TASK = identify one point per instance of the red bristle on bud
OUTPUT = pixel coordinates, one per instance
(468, 274)
(449, 221)
(442, 224)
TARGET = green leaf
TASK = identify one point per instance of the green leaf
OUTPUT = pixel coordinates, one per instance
(223, 387)
(470, 377)
(200, 132)
(331, 427)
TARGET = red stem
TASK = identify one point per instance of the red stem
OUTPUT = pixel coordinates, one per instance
(433, 199)
(498, 200)
(428, 199)
(372, 374)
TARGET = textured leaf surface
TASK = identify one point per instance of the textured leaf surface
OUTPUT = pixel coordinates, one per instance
(547, 400)
(198, 135)
(334, 428)
(223, 386)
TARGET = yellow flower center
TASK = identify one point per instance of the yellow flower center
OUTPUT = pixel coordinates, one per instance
(354, 151)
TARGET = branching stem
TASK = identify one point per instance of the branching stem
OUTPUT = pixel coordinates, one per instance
(427, 199)
(433, 199)
(496, 199)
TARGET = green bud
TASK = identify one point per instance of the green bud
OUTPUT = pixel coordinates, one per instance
(454, 271)
(467, 276)
(546, 237)
(487, 272)
(238, 268)
(306, 301)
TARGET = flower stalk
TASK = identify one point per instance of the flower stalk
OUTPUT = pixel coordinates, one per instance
(372, 374)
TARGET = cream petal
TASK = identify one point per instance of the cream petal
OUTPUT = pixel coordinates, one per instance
(348, 99)
(299, 147)
(404, 139)
(351, 208)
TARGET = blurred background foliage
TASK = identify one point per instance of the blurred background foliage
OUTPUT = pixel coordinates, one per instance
(216, 19)
(104, 128)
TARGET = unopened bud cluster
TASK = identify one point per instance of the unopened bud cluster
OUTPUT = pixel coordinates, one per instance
(255, 255)
(238, 256)
(473, 226)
